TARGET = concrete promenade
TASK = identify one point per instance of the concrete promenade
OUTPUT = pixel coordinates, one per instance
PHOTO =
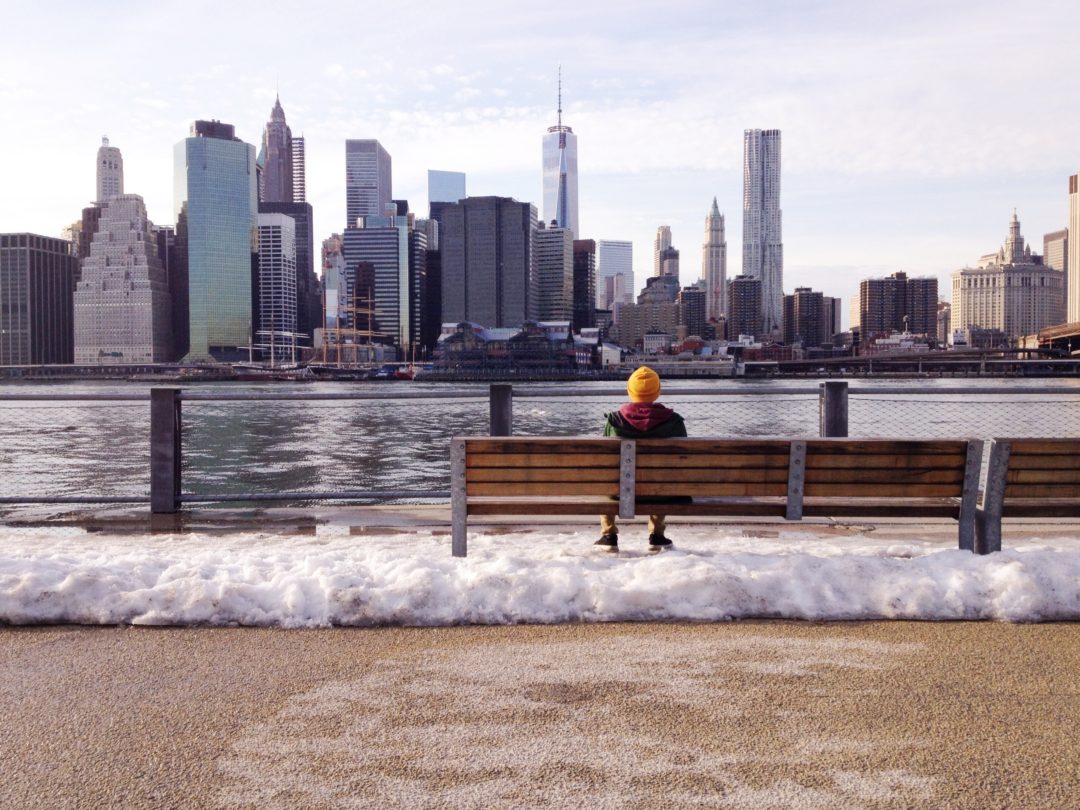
(762, 714)
(751, 714)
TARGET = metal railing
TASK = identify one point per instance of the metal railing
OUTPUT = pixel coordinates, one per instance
(296, 446)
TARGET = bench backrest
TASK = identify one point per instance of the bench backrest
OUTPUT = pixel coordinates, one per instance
(712, 467)
(703, 467)
(519, 466)
(1030, 469)
(887, 469)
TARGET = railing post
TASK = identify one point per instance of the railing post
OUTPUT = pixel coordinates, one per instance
(502, 409)
(164, 450)
(834, 409)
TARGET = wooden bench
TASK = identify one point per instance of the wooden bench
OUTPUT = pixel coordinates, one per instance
(783, 478)
(1027, 478)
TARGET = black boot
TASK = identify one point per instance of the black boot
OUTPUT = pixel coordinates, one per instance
(657, 542)
(608, 542)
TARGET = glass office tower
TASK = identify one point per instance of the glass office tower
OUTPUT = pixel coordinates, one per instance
(445, 186)
(216, 200)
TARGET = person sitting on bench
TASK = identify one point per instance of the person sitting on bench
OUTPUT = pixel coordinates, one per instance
(641, 418)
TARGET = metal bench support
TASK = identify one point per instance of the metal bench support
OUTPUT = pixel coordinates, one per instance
(988, 520)
(459, 511)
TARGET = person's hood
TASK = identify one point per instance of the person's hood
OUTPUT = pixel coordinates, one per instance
(644, 416)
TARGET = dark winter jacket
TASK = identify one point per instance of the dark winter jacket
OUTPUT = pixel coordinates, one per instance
(644, 420)
(647, 420)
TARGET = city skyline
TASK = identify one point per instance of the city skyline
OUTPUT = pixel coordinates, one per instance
(882, 170)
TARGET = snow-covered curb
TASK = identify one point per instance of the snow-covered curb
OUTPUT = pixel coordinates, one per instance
(411, 579)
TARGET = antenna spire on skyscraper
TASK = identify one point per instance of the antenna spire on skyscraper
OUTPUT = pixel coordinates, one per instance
(560, 94)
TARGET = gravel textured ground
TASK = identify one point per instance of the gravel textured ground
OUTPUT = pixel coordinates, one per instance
(750, 714)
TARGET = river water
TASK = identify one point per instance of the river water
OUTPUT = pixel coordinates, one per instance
(51, 447)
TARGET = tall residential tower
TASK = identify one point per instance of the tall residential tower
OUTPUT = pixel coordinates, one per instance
(763, 243)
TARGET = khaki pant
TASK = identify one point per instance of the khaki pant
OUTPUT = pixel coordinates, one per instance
(656, 525)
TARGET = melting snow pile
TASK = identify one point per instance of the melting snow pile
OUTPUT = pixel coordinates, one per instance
(411, 579)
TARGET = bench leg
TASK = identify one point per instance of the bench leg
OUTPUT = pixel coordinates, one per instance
(459, 533)
(987, 532)
(459, 507)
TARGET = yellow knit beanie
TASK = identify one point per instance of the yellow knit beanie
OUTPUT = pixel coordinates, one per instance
(643, 385)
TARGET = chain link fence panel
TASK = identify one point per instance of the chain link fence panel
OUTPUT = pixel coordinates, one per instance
(74, 449)
(977, 415)
(267, 446)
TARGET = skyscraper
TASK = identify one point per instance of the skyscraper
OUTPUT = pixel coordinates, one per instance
(560, 174)
(276, 158)
(37, 281)
(216, 202)
(744, 307)
(308, 305)
(692, 305)
(367, 180)
(488, 261)
(808, 318)
(110, 172)
(1056, 250)
(1072, 281)
(445, 186)
(897, 304)
(614, 270)
(299, 170)
(277, 285)
(584, 284)
(669, 263)
(396, 252)
(660, 244)
(123, 310)
(714, 264)
(763, 243)
(554, 288)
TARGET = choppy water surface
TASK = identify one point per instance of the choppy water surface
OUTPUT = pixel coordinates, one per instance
(55, 447)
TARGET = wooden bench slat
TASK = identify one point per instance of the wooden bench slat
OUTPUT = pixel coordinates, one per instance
(881, 507)
(1023, 476)
(1041, 491)
(1042, 507)
(1038, 447)
(558, 445)
(711, 446)
(1044, 462)
(549, 474)
(500, 460)
(877, 447)
(717, 490)
(896, 475)
(882, 490)
(704, 475)
(861, 461)
(517, 488)
(726, 462)
(543, 506)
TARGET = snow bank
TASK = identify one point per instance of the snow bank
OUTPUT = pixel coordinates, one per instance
(411, 579)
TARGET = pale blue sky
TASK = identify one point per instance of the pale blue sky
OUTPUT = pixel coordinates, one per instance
(910, 131)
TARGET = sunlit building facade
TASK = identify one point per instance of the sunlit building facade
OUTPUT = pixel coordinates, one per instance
(763, 243)
(216, 204)
(560, 175)
(367, 180)
(714, 264)
(123, 310)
